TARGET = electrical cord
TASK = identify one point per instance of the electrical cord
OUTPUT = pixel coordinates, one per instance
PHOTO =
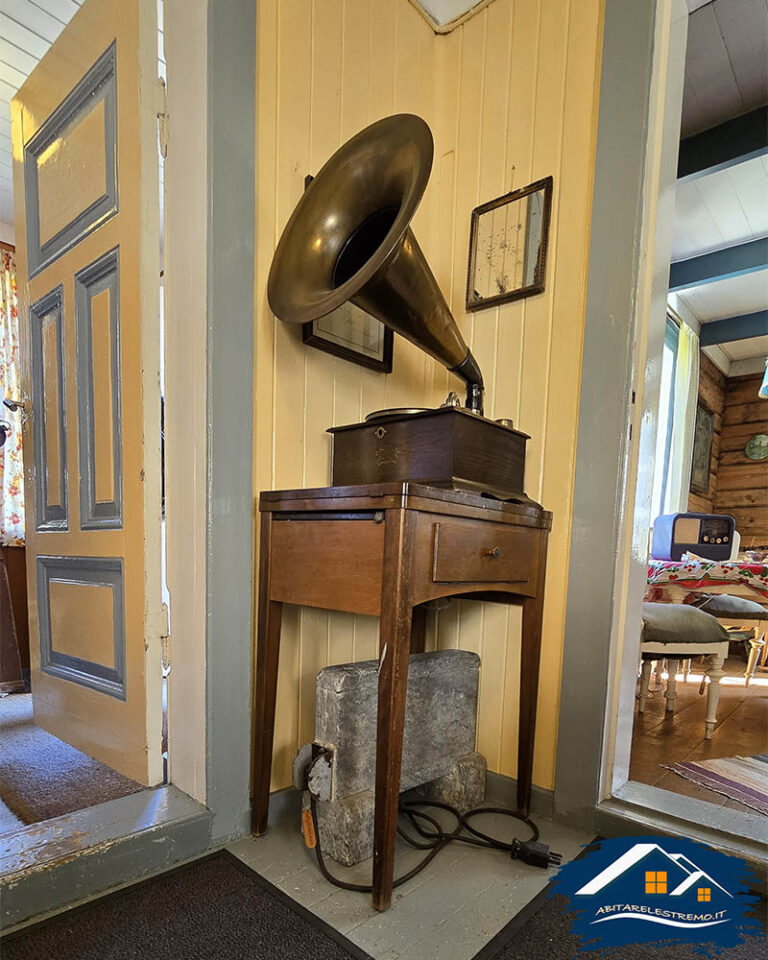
(435, 839)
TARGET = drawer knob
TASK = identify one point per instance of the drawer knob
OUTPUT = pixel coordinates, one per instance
(492, 552)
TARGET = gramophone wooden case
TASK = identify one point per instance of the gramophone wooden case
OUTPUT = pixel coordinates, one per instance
(448, 447)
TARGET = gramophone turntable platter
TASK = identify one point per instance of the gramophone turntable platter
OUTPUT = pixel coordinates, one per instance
(396, 412)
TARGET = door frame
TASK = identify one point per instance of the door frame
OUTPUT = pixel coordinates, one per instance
(211, 58)
(630, 251)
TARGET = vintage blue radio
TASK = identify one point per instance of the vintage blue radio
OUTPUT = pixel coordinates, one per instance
(709, 535)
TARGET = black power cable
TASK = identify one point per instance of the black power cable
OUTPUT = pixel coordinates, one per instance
(435, 839)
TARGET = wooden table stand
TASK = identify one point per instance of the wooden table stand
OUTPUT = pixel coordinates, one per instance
(386, 549)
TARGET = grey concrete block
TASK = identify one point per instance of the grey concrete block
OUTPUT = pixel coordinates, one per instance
(463, 787)
(345, 826)
(440, 718)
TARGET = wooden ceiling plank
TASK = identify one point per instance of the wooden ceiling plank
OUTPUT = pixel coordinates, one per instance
(721, 200)
(694, 222)
(736, 295)
(749, 349)
(750, 182)
(63, 10)
(7, 91)
(17, 58)
(744, 27)
(10, 77)
(35, 18)
(710, 73)
(22, 37)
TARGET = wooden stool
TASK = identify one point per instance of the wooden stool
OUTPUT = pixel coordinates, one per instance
(738, 610)
(676, 631)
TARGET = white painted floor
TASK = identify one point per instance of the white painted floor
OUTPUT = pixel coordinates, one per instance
(447, 912)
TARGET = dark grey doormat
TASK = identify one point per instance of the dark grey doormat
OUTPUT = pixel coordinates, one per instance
(543, 930)
(215, 908)
(41, 776)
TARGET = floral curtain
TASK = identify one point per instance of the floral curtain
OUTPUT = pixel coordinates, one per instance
(11, 463)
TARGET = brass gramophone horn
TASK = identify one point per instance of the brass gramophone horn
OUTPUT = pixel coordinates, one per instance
(349, 239)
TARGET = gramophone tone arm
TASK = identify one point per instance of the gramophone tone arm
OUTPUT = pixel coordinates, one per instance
(470, 373)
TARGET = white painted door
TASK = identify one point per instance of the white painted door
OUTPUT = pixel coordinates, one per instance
(86, 200)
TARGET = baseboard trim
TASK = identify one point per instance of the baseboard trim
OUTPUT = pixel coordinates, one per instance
(504, 790)
(286, 804)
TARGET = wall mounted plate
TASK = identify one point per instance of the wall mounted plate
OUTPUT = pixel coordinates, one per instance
(756, 447)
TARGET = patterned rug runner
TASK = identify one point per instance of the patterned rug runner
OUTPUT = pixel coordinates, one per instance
(741, 778)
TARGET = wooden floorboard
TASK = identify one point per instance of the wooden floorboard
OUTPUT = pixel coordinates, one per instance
(659, 738)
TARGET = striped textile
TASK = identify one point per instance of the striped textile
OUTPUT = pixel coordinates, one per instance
(741, 778)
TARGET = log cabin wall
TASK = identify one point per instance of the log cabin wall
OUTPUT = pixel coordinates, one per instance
(511, 96)
(712, 385)
(742, 484)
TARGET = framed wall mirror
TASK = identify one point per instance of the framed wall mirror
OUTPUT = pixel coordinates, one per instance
(508, 246)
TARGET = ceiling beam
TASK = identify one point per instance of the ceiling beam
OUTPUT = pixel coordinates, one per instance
(710, 267)
(745, 327)
(732, 142)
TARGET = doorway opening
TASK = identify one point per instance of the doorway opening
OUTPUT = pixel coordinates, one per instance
(692, 714)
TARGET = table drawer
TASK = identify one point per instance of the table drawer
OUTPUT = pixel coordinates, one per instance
(486, 553)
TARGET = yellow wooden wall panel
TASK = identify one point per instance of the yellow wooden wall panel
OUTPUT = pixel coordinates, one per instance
(314, 656)
(510, 97)
(355, 67)
(266, 190)
(575, 194)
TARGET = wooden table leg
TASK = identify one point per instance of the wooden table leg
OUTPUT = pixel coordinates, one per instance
(394, 647)
(265, 693)
(530, 657)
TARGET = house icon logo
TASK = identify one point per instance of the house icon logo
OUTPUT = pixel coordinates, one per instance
(647, 889)
(671, 875)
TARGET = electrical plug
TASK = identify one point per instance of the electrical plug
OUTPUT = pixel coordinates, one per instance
(535, 854)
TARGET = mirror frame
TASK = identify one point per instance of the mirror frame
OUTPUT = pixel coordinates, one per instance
(481, 303)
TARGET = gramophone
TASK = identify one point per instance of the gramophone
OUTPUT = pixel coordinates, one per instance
(349, 238)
